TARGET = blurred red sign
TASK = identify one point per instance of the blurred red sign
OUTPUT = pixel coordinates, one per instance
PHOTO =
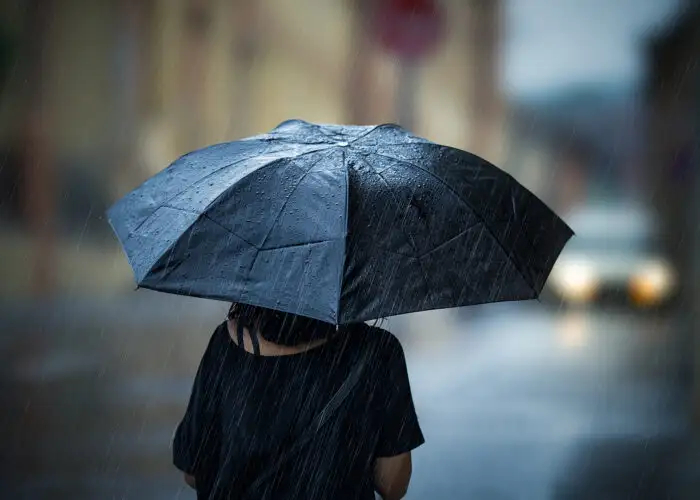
(408, 28)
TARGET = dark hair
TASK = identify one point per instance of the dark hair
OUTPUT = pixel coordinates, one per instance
(280, 327)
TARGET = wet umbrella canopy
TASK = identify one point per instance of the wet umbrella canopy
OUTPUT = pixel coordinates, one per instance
(338, 223)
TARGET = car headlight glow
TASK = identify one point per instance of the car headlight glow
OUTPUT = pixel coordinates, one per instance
(575, 281)
(652, 283)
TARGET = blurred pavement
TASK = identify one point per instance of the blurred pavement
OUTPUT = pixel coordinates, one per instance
(523, 404)
(515, 402)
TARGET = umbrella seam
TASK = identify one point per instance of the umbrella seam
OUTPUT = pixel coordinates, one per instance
(131, 233)
(365, 134)
(205, 216)
(255, 258)
(458, 235)
(228, 230)
(319, 129)
(341, 274)
(211, 203)
(384, 144)
(384, 125)
(295, 142)
(392, 252)
(279, 213)
(213, 172)
(298, 245)
(408, 237)
(471, 207)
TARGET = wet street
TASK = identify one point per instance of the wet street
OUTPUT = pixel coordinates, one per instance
(516, 402)
(527, 405)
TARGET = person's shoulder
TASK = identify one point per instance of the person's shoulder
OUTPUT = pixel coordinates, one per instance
(219, 339)
(382, 341)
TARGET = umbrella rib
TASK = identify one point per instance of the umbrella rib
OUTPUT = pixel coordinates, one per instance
(166, 202)
(480, 216)
(228, 230)
(408, 236)
(270, 137)
(393, 252)
(205, 216)
(458, 235)
(387, 144)
(290, 140)
(289, 196)
(377, 127)
(362, 136)
(293, 245)
(269, 231)
(320, 130)
(346, 212)
(215, 200)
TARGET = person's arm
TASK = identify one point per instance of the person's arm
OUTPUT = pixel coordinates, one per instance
(400, 432)
(392, 476)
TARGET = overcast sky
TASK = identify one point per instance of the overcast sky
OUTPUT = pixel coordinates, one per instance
(551, 44)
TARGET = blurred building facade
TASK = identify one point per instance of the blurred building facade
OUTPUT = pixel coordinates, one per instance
(530, 155)
(119, 89)
(547, 157)
(673, 95)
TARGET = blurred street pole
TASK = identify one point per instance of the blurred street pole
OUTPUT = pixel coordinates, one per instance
(197, 23)
(406, 94)
(357, 93)
(485, 106)
(245, 50)
(39, 181)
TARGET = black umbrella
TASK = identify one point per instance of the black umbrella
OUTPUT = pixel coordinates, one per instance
(338, 223)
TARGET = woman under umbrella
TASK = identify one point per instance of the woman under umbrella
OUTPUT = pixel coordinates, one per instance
(312, 230)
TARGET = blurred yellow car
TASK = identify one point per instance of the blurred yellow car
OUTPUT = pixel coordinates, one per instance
(615, 256)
